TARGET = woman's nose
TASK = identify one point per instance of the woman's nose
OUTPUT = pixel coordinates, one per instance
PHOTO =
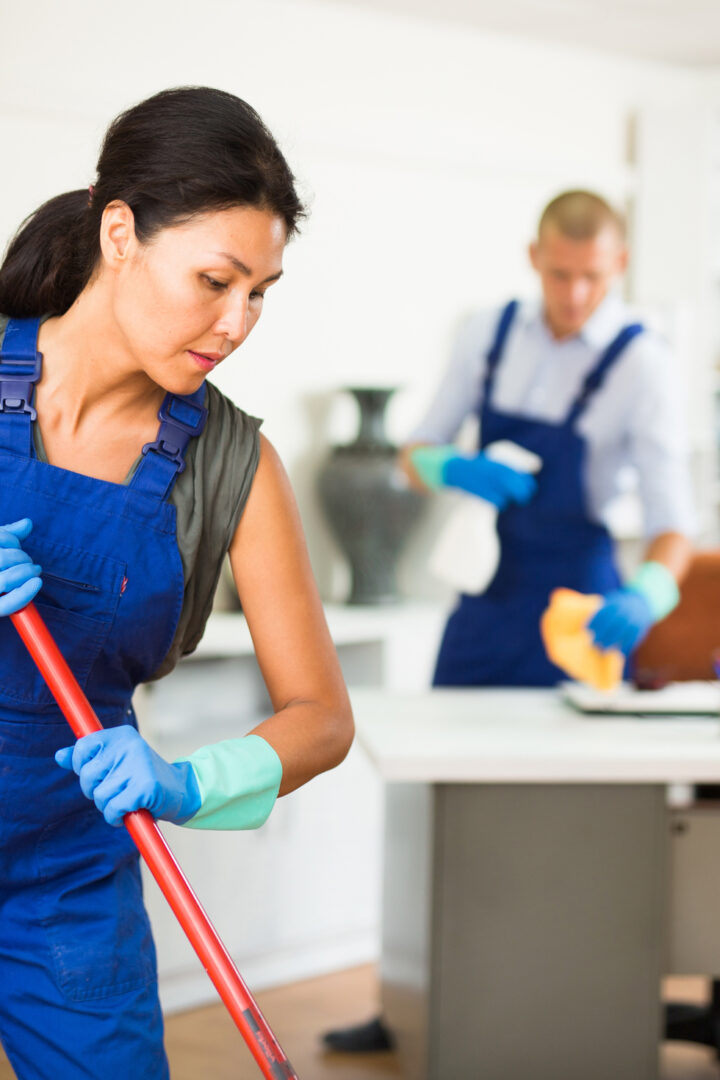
(233, 323)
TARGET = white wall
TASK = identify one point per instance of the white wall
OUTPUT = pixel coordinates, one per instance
(426, 150)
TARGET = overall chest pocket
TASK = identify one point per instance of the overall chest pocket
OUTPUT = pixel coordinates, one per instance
(78, 601)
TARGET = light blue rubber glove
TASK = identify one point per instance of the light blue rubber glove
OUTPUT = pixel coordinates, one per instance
(443, 466)
(629, 613)
(19, 575)
(120, 772)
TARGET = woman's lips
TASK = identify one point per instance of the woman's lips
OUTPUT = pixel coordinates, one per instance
(206, 361)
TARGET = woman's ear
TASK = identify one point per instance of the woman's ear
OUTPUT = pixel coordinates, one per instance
(117, 234)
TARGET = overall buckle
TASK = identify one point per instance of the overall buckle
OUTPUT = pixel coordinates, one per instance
(18, 375)
(171, 452)
(181, 418)
(184, 414)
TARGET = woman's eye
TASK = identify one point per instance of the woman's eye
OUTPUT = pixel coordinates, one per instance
(257, 295)
(213, 283)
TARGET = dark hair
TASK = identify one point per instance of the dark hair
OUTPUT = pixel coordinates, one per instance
(179, 153)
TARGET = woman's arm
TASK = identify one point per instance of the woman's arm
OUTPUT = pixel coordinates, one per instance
(312, 727)
(233, 784)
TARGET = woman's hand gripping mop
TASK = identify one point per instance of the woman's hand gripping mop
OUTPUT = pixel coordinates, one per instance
(202, 935)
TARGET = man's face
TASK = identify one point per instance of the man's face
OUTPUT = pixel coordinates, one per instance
(575, 275)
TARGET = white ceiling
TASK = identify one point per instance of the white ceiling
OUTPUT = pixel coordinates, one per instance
(678, 31)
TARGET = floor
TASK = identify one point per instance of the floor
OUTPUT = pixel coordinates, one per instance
(205, 1044)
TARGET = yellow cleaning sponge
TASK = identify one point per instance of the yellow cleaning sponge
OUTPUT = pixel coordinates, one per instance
(569, 644)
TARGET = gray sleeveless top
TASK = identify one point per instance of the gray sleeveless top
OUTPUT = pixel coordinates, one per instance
(209, 498)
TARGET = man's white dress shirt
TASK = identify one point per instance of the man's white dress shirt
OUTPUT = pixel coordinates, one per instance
(634, 420)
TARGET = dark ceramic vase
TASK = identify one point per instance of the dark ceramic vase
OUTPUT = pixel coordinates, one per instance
(368, 502)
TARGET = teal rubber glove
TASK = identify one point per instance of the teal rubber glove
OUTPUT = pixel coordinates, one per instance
(239, 780)
(443, 466)
(19, 576)
(120, 772)
(628, 614)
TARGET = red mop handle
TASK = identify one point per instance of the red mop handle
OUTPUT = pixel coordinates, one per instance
(153, 847)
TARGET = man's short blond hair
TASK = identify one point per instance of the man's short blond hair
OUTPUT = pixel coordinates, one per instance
(581, 215)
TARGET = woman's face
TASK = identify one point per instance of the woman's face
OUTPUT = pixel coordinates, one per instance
(184, 301)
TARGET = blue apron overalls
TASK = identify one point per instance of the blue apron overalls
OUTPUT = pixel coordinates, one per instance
(494, 639)
(78, 984)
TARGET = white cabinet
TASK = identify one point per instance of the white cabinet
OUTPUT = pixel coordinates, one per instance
(301, 895)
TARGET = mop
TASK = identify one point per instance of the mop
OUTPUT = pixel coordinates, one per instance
(152, 845)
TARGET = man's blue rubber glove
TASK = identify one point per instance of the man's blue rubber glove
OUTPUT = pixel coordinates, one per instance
(628, 614)
(442, 466)
(622, 622)
(121, 772)
(19, 575)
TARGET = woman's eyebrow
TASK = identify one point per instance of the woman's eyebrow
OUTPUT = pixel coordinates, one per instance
(246, 269)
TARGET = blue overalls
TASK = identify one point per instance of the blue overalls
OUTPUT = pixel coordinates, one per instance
(78, 984)
(494, 639)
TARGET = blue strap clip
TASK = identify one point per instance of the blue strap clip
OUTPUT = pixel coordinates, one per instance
(181, 419)
(18, 374)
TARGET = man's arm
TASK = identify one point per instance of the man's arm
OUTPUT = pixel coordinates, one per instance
(672, 550)
(405, 463)
(457, 395)
(658, 450)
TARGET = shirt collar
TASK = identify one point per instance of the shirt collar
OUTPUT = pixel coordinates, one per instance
(605, 323)
(601, 328)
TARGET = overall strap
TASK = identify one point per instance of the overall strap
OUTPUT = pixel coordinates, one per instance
(496, 349)
(181, 419)
(20, 369)
(597, 376)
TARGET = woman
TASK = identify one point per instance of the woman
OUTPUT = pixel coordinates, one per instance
(118, 302)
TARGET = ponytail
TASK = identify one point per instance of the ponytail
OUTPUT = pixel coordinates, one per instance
(180, 153)
(51, 257)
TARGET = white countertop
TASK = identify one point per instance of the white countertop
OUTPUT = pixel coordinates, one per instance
(526, 736)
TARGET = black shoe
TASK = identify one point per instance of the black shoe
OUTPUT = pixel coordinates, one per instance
(360, 1039)
(696, 1023)
(690, 1023)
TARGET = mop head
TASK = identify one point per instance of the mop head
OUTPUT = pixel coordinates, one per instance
(569, 644)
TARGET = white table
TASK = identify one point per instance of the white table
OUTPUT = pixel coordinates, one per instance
(525, 880)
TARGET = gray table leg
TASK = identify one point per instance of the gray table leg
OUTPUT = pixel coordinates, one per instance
(523, 930)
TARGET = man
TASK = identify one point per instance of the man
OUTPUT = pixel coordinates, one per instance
(575, 379)
(582, 384)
